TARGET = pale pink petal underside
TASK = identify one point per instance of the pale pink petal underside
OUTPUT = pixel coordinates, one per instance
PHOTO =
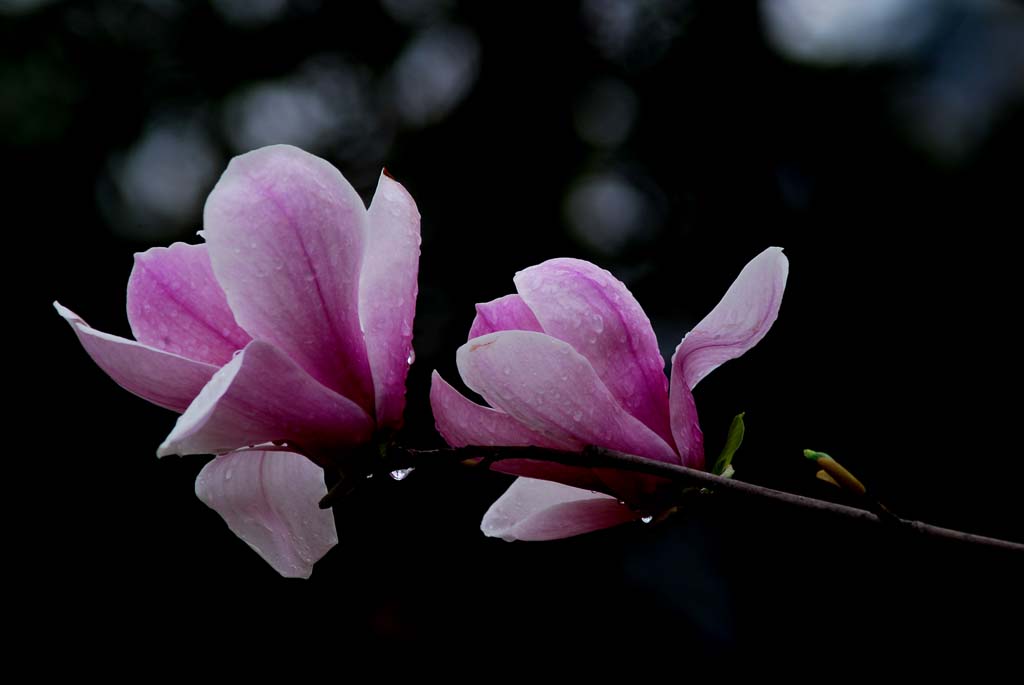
(387, 295)
(286, 234)
(738, 321)
(163, 378)
(175, 304)
(594, 312)
(263, 396)
(549, 387)
(541, 510)
(508, 313)
(269, 500)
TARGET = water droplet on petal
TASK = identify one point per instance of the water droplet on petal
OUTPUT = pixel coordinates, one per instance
(647, 519)
(507, 370)
(401, 474)
(227, 475)
(411, 358)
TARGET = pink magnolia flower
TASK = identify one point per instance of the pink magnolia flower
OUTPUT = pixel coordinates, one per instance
(571, 361)
(287, 333)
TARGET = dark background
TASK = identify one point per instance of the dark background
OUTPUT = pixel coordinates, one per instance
(670, 142)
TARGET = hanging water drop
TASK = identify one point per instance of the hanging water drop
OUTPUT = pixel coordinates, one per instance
(411, 358)
(401, 474)
(647, 519)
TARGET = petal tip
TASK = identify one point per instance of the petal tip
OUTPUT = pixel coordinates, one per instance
(66, 313)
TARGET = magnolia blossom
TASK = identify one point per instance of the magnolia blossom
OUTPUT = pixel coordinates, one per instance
(282, 340)
(571, 361)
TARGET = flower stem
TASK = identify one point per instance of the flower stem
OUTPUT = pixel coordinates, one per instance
(487, 457)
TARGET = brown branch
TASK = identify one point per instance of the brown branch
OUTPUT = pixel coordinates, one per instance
(602, 458)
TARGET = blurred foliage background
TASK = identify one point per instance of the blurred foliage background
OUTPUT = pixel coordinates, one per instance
(878, 141)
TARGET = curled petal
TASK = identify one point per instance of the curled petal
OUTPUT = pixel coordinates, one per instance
(165, 379)
(387, 294)
(549, 387)
(263, 396)
(738, 321)
(594, 312)
(462, 422)
(541, 510)
(507, 313)
(286, 234)
(685, 426)
(175, 304)
(269, 499)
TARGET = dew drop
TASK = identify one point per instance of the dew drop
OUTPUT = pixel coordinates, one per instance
(411, 358)
(401, 474)
(647, 519)
(227, 475)
(507, 370)
(577, 415)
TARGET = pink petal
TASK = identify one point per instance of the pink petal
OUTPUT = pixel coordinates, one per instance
(548, 386)
(163, 378)
(507, 313)
(462, 422)
(176, 305)
(593, 311)
(387, 295)
(685, 426)
(738, 322)
(269, 499)
(263, 396)
(286, 234)
(540, 510)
